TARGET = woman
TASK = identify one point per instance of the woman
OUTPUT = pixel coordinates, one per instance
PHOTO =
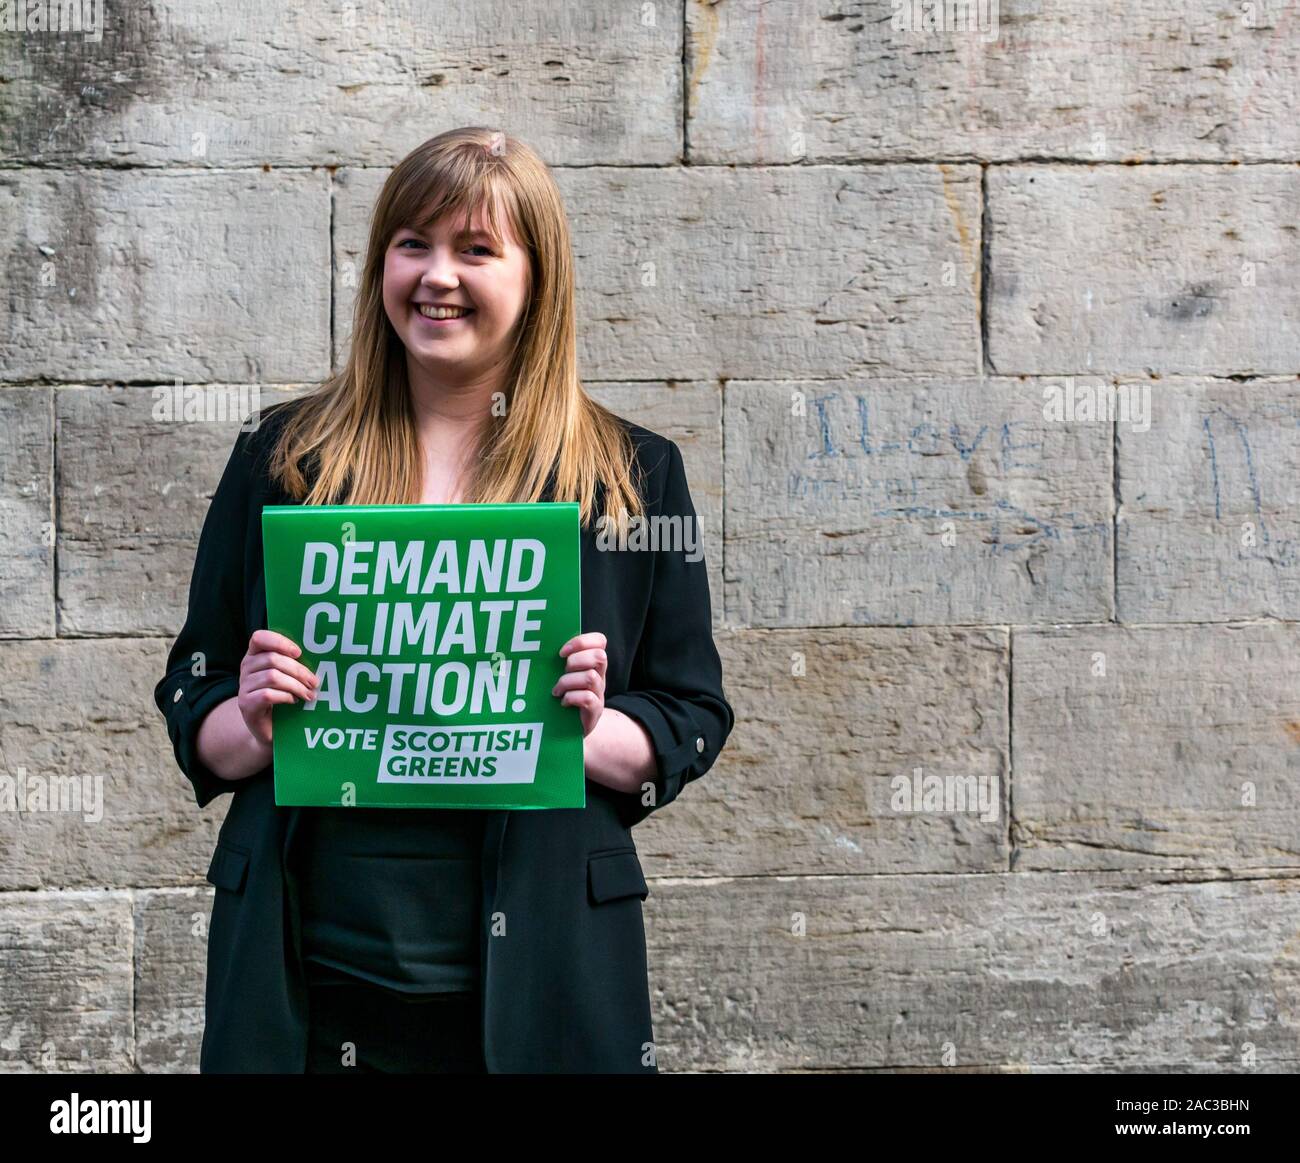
(419, 939)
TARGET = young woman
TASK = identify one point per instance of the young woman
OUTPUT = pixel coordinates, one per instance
(448, 940)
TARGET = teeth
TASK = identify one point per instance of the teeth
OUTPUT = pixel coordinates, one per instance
(442, 312)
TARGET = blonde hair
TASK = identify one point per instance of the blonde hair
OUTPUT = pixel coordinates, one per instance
(358, 426)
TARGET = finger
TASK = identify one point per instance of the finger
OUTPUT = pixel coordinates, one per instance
(593, 659)
(278, 680)
(580, 699)
(580, 680)
(270, 695)
(282, 662)
(270, 640)
(583, 642)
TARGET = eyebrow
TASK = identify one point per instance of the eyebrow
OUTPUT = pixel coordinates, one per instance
(460, 236)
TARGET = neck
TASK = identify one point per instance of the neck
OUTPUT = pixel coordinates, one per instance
(451, 416)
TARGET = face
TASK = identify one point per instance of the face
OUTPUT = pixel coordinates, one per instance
(441, 266)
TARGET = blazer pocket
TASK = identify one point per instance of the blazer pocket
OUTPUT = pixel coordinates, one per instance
(229, 867)
(614, 875)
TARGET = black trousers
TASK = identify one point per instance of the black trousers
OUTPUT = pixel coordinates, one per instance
(366, 1029)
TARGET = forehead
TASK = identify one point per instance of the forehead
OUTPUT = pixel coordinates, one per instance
(454, 224)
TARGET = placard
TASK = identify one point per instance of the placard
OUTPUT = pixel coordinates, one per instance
(435, 631)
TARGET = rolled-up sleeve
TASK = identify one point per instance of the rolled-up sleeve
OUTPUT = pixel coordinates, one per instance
(203, 663)
(675, 688)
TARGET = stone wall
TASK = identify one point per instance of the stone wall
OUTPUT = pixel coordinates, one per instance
(869, 274)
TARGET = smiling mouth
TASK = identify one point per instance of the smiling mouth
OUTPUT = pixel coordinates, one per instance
(443, 312)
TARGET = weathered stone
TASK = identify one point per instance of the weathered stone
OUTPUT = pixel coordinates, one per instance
(128, 275)
(1182, 754)
(673, 282)
(243, 84)
(86, 752)
(792, 81)
(355, 192)
(1119, 971)
(171, 949)
(65, 958)
(1210, 520)
(127, 540)
(1143, 269)
(806, 783)
(26, 513)
(902, 501)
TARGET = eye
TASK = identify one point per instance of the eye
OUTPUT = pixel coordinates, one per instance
(480, 246)
(406, 240)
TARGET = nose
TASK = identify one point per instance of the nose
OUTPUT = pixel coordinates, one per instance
(439, 270)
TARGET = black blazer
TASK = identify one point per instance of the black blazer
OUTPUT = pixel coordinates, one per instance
(565, 986)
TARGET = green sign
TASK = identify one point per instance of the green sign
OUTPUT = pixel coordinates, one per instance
(435, 631)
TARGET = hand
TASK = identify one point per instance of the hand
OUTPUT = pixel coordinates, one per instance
(269, 674)
(583, 682)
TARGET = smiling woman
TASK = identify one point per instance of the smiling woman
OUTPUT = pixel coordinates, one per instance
(484, 404)
(461, 382)
(455, 290)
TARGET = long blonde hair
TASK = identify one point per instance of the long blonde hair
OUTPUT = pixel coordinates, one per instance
(358, 426)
